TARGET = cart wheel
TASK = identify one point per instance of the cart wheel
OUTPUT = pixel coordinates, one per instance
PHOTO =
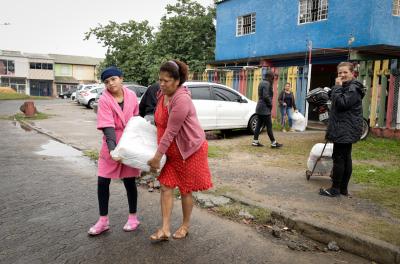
(308, 175)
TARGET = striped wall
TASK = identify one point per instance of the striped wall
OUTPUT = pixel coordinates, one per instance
(380, 77)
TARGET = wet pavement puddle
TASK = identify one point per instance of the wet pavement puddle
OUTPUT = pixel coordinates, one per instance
(57, 149)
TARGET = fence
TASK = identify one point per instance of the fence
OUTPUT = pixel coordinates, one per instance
(380, 77)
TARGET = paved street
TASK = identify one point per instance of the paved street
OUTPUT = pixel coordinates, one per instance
(49, 201)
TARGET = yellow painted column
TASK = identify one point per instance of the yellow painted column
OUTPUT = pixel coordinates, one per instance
(229, 79)
(375, 92)
(256, 82)
(382, 93)
(292, 77)
(205, 76)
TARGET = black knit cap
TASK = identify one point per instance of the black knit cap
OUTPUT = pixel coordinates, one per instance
(110, 71)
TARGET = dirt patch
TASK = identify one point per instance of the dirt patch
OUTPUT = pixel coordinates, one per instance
(276, 177)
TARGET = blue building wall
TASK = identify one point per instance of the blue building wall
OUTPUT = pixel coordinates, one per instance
(278, 32)
(385, 28)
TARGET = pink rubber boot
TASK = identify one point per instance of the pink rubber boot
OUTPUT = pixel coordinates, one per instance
(132, 223)
(101, 226)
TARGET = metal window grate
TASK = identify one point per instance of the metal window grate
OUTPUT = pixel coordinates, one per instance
(312, 10)
(396, 8)
(246, 24)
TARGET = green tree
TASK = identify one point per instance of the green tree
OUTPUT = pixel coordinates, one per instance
(187, 32)
(127, 48)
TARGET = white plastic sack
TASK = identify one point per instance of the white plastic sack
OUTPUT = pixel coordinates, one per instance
(324, 165)
(298, 121)
(137, 144)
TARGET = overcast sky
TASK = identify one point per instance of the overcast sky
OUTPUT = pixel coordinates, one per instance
(58, 26)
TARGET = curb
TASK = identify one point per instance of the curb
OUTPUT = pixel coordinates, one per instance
(50, 134)
(361, 245)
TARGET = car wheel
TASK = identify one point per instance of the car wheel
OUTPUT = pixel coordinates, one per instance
(91, 103)
(252, 124)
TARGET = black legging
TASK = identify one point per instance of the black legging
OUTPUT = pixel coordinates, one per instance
(267, 121)
(103, 194)
(342, 166)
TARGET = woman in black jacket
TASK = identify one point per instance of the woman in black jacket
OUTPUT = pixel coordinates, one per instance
(345, 126)
(263, 111)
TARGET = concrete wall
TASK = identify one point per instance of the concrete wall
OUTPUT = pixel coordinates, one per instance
(21, 66)
(63, 70)
(278, 31)
(82, 72)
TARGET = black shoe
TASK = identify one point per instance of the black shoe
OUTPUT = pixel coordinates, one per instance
(257, 144)
(344, 192)
(276, 145)
(330, 192)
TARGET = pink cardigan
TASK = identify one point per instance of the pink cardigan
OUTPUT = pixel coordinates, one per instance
(183, 124)
(110, 114)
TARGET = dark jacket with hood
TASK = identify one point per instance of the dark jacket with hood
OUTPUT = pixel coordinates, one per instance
(265, 94)
(346, 119)
(149, 100)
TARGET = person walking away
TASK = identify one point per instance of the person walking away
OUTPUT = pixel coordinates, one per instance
(287, 104)
(344, 127)
(116, 106)
(263, 111)
(182, 140)
(148, 103)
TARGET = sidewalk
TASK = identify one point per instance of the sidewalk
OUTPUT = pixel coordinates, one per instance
(262, 177)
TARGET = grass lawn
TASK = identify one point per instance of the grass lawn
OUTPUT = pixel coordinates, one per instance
(17, 96)
(376, 165)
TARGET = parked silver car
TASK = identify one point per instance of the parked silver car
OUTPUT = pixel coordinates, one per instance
(139, 90)
(87, 97)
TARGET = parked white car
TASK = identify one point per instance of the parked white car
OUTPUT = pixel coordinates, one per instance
(219, 107)
(88, 97)
(81, 88)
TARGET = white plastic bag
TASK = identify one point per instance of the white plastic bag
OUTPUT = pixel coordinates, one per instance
(324, 165)
(137, 144)
(298, 121)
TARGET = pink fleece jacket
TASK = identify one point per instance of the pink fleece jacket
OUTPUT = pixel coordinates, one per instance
(182, 125)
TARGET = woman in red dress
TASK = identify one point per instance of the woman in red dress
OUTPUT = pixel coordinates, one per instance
(182, 140)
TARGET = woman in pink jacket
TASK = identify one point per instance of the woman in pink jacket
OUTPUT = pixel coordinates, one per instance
(182, 140)
(116, 106)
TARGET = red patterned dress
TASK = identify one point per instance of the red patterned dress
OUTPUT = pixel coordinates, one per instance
(190, 175)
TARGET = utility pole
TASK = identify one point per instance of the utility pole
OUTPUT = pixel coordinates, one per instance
(309, 46)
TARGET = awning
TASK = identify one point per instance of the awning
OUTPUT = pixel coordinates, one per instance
(66, 79)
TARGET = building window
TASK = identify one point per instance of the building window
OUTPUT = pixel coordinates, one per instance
(40, 66)
(246, 24)
(396, 8)
(7, 67)
(312, 10)
(18, 84)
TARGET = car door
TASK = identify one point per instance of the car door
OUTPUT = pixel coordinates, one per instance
(232, 111)
(205, 106)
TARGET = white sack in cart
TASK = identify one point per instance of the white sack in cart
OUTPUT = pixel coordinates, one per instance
(138, 144)
(324, 165)
(298, 121)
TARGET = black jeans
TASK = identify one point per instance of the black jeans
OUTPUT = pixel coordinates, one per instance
(342, 166)
(103, 194)
(264, 120)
